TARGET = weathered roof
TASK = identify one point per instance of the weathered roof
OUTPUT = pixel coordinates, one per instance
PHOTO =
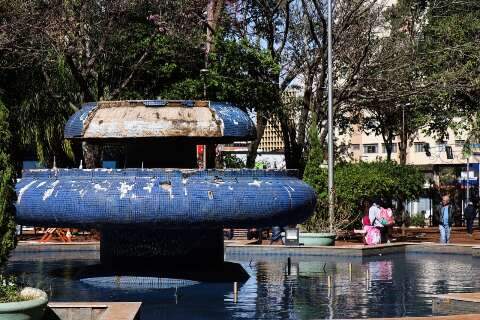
(160, 119)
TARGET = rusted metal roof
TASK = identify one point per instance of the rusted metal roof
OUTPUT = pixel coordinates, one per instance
(160, 119)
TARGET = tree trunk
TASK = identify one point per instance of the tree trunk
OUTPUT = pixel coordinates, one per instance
(253, 146)
(292, 150)
(92, 155)
(306, 107)
(388, 141)
(402, 148)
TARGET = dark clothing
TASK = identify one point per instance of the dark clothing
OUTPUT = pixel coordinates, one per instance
(470, 226)
(276, 235)
(451, 214)
(383, 234)
(470, 214)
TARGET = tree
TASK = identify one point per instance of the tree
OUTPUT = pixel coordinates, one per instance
(316, 176)
(268, 22)
(450, 60)
(356, 182)
(354, 26)
(7, 191)
(390, 101)
(57, 54)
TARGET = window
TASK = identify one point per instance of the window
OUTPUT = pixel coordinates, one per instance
(394, 148)
(370, 148)
(459, 143)
(441, 145)
(355, 147)
(419, 147)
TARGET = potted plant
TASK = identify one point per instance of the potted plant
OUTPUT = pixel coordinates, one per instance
(25, 304)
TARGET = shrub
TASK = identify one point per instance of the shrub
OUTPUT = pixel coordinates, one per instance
(7, 189)
(418, 220)
(9, 291)
(232, 161)
(355, 182)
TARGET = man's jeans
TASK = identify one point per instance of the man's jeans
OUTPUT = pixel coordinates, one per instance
(444, 234)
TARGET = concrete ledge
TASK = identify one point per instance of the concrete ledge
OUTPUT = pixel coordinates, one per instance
(353, 250)
(345, 251)
(439, 248)
(456, 303)
(93, 311)
(476, 251)
(458, 317)
(35, 246)
(246, 248)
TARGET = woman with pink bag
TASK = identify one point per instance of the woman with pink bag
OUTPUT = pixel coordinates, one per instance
(371, 234)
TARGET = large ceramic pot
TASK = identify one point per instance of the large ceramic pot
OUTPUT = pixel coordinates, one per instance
(317, 239)
(31, 309)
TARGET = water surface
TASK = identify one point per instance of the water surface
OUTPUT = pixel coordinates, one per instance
(388, 286)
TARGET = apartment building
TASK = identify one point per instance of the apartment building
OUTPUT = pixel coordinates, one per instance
(365, 147)
(444, 172)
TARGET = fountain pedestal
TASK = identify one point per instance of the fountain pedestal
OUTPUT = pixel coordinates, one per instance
(131, 246)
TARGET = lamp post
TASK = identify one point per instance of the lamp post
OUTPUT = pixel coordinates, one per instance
(331, 198)
(468, 178)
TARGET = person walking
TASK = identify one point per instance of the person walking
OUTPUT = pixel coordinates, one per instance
(445, 214)
(470, 214)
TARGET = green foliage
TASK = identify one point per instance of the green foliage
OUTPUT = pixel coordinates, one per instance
(261, 165)
(450, 62)
(244, 74)
(316, 176)
(233, 162)
(9, 291)
(238, 72)
(418, 220)
(7, 191)
(355, 182)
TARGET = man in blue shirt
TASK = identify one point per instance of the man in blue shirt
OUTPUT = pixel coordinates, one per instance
(445, 218)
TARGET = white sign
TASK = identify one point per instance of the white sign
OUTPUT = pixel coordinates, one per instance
(471, 175)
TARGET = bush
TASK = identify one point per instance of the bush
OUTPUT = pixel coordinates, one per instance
(355, 182)
(231, 161)
(418, 220)
(9, 291)
(7, 189)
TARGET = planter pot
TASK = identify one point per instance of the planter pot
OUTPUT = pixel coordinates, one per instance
(32, 309)
(317, 239)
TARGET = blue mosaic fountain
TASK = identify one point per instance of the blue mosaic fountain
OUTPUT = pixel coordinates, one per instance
(161, 215)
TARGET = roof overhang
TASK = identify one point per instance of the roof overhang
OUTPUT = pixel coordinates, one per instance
(160, 119)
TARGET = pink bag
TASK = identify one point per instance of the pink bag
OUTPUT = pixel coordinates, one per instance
(372, 236)
(386, 216)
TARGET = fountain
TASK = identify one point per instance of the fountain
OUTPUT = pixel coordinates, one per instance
(149, 214)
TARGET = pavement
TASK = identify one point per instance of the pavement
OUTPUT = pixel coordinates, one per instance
(429, 234)
(413, 235)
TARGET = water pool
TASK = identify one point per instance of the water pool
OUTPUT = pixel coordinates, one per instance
(388, 286)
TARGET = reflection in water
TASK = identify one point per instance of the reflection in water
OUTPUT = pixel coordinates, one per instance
(387, 286)
(128, 282)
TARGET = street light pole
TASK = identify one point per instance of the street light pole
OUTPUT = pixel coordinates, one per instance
(468, 178)
(331, 199)
(403, 141)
